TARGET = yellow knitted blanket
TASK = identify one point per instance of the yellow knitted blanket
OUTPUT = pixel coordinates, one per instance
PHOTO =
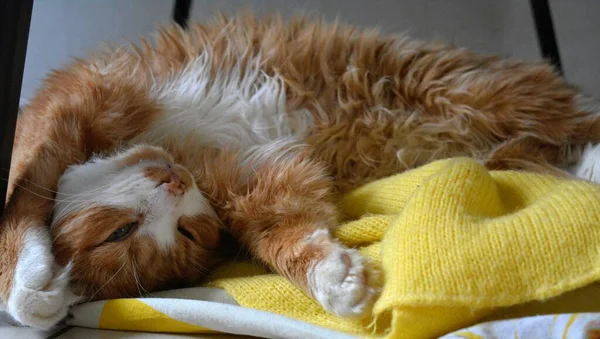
(455, 243)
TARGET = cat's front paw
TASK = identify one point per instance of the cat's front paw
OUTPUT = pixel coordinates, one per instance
(342, 282)
(40, 294)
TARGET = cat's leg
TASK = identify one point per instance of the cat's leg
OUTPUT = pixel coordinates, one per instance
(33, 289)
(285, 219)
(73, 117)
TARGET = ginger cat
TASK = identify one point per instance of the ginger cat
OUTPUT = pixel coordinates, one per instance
(131, 167)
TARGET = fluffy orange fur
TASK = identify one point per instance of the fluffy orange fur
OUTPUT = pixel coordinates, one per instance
(379, 105)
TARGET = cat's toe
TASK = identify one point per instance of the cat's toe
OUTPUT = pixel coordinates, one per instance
(41, 309)
(40, 295)
(342, 283)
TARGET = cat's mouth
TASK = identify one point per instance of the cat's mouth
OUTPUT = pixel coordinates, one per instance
(173, 185)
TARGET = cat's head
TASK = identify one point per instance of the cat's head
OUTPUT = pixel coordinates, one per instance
(132, 222)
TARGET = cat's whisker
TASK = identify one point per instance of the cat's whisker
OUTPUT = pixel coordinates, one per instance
(63, 213)
(54, 191)
(135, 276)
(82, 299)
(72, 205)
(32, 192)
(51, 198)
(199, 267)
(30, 182)
(88, 196)
(137, 284)
(111, 278)
(56, 220)
(87, 192)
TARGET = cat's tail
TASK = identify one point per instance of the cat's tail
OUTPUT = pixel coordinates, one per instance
(588, 166)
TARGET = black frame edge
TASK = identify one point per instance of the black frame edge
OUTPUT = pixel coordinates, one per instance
(15, 20)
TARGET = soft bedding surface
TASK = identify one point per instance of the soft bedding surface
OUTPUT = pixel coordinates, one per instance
(182, 312)
(457, 245)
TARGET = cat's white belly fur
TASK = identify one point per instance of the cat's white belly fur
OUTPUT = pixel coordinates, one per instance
(231, 110)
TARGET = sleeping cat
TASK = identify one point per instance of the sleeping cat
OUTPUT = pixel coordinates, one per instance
(250, 128)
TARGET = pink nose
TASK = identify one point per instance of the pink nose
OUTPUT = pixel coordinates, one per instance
(174, 185)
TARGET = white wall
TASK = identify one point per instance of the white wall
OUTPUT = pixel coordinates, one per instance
(62, 29)
(66, 28)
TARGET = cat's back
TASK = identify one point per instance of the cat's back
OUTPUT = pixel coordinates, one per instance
(361, 99)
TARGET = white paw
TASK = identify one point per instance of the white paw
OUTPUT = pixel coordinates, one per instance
(341, 282)
(40, 295)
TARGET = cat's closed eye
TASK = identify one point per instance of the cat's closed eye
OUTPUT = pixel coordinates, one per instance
(185, 233)
(122, 232)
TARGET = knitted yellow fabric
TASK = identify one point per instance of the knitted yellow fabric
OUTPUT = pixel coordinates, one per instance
(455, 242)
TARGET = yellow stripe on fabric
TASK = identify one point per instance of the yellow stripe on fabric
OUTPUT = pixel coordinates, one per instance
(134, 315)
(469, 335)
(554, 318)
(569, 323)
